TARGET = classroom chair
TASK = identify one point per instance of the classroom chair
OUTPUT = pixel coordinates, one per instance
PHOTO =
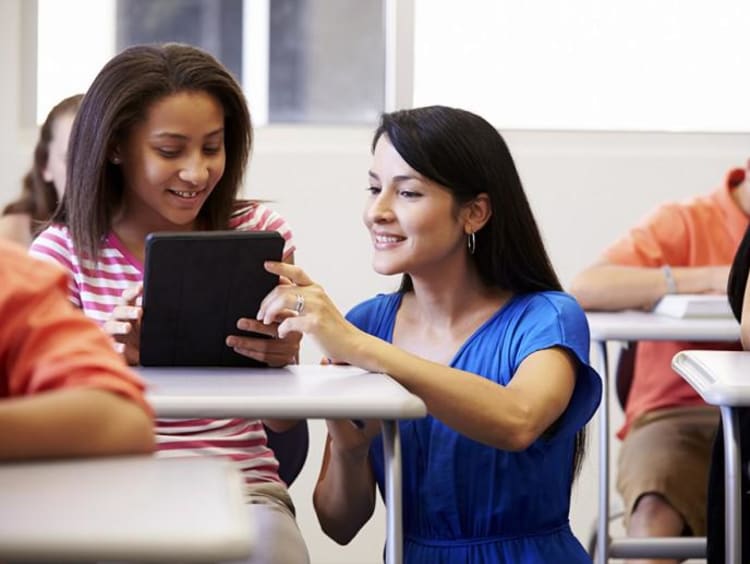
(694, 548)
(290, 449)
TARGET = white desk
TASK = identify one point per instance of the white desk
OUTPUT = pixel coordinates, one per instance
(721, 378)
(123, 508)
(296, 392)
(642, 326)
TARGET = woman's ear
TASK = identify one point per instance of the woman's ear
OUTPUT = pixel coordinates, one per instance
(46, 174)
(114, 156)
(477, 213)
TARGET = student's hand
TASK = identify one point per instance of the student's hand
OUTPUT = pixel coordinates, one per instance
(276, 351)
(305, 308)
(351, 439)
(124, 324)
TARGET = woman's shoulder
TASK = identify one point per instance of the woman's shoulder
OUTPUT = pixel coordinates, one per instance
(546, 302)
(379, 307)
(549, 313)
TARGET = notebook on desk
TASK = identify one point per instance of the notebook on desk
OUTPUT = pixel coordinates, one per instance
(694, 306)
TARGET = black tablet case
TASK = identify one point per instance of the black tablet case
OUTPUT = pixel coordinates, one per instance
(196, 286)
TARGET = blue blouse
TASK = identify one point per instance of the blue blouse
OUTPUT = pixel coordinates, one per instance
(466, 502)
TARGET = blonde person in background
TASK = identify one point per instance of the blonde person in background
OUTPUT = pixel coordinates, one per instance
(44, 184)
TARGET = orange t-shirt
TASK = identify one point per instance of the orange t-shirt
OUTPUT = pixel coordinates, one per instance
(704, 231)
(45, 342)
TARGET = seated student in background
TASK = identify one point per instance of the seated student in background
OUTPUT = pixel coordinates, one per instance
(45, 182)
(63, 391)
(738, 292)
(480, 330)
(681, 248)
(160, 144)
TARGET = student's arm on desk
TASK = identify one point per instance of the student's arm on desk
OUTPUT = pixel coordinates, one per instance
(611, 287)
(73, 422)
(505, 417)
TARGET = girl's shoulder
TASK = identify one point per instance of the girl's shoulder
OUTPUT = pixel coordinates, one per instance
(253, 215)
(55, 235)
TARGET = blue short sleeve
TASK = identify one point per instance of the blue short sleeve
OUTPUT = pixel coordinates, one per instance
(555, 319)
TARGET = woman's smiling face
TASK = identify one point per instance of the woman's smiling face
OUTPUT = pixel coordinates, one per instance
(414, 222)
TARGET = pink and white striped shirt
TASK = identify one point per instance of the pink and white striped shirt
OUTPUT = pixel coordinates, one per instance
(96, 289)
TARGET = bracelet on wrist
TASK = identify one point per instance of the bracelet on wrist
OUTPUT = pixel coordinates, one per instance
(669, 279)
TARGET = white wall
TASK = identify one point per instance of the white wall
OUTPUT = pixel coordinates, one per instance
(586, 188)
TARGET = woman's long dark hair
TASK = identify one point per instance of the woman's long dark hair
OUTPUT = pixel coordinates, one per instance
(738, 276)
(120, 97)
(464, 153)
(39, 198)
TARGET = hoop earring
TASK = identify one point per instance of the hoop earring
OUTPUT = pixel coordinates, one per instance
(471, 242)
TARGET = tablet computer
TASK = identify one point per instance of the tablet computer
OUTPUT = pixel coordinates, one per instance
(196, 286)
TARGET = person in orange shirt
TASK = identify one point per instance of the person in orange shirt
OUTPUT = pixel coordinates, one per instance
(64, 391)
(667, 436)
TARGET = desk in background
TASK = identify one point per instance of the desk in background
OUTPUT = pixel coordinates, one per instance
(296, 392)
(123, 508)
(723, 378)
(642, 326)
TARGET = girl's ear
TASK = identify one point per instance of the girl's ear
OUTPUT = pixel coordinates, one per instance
(477, 213)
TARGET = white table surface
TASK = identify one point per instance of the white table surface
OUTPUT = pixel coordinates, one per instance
(720, 377)
(123, 508)
(303, 391)
(296, 392)
(644, 326)
(632, 325)
(723, 378)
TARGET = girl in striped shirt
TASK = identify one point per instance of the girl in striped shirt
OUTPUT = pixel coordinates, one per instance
(160, 143)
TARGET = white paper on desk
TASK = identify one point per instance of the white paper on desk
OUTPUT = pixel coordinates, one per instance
(693, 305)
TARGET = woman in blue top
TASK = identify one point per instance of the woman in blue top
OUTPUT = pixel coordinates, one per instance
(480, 330)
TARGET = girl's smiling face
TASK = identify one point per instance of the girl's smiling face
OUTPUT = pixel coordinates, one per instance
(172, 160)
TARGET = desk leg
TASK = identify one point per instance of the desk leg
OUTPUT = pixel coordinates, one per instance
(392, 454)
(732, 486)
(602, 533)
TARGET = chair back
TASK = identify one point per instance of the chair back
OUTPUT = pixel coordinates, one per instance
(290, 449)
(624, 372)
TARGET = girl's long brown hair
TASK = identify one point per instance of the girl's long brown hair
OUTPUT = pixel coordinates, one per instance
(120, 97)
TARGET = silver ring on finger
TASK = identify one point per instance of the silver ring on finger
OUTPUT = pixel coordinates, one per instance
(299, 305)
